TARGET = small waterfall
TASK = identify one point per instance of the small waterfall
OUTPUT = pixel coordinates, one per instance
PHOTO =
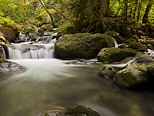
(28, 50)
(150, 52)
(2, 52)
(116, 44)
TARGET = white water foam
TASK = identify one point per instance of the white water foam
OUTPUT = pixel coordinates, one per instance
(28, 50)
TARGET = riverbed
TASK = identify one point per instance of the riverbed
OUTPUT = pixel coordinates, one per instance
(48, 83)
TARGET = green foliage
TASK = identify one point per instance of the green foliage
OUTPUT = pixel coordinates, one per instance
(83, 15)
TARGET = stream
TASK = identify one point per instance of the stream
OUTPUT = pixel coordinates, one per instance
(49, 82)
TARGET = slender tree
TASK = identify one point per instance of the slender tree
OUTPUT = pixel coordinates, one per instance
(135, 9)
(126, 10)
(146, 14)
(139, 10)
(51, 17)
(107, 7)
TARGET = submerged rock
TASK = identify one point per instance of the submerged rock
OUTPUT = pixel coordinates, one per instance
(76, 110)
(110, 55)
(82, 45)
(7, 66)
(135, 75)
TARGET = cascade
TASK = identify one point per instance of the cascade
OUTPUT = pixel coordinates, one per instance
(2, 52)
(43, 48)
(115, 43)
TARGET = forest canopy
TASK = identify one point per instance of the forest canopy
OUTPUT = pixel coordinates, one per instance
(80, 13)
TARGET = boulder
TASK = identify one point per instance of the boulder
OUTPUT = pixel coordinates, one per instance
(8, 33)
(135, 75)
(76, 110)
(110, 55)
(109, 71)
(138, 47)
(7, 66)
(82, 45)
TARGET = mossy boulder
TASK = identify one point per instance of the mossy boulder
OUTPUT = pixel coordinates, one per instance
(138, 46)
(82, 45)
(108, 71)
(8, 33)
(110, 55)
(135, 75)
(76, 110)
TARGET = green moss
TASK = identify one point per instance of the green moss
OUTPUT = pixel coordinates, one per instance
(2, 39)
(150, 44)
(80, 111)
(112, 33)
(138, 47)
(127, 78)
(3, 60)
(103, 68)
(148, 29)
(47, 27)
(114, 55)
(66, 29)
(82, 45)
(131, 41)
(9, 22)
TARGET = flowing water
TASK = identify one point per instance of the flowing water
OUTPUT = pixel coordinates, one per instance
(3, 52)
(51, 82)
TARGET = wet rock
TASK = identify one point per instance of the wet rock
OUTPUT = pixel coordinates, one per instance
(110, 55)
(135, 75)
(8, 33)
(144, 59)
(7, 66)
(82, 45)
(76, 110)
(138, 47)
(107, 71)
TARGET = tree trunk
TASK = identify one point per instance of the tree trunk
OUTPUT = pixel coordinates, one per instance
(126, 10)
(146, 14)
(44, 6)
(135, 9)
(119, 8)
(107, 7)
(139, 10)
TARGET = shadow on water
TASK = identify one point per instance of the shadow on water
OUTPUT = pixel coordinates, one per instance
(50, 82)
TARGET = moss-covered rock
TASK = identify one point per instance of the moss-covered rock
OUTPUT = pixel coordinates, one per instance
(138, 47)
(82, 45)
(76, 110)
(3, 60)
(8, 33)
(110, 55)
(134, 75)
(108, 71)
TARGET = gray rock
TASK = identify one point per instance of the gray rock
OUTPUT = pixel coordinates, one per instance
(7, 66)
(134, 75)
